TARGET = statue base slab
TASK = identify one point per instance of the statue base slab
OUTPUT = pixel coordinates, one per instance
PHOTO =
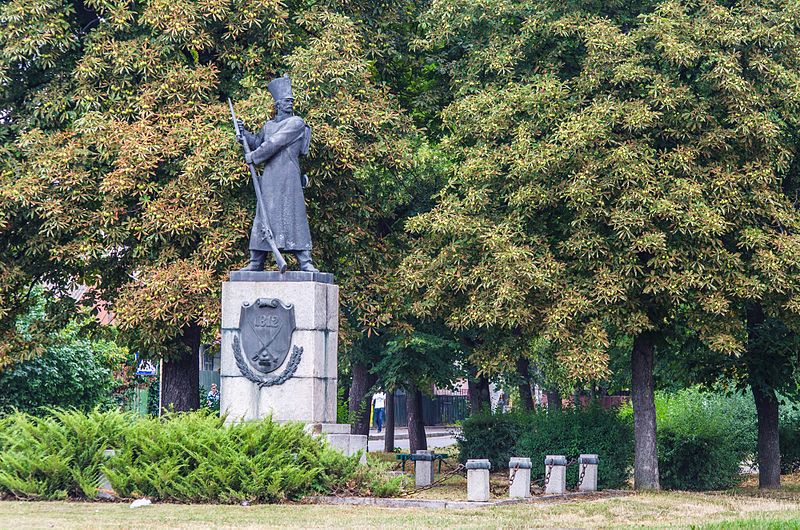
(275, 276)
(339, 437)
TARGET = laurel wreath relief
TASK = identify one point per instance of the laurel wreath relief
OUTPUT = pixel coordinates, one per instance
(266, 380)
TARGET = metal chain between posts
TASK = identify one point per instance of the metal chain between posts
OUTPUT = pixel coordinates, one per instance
(546, 479)
(513, 476)
(441, 479)
(582, 474)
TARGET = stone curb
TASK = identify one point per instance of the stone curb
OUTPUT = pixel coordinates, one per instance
(453, 505)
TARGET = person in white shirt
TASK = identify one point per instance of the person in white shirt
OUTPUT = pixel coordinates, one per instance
(378, 401)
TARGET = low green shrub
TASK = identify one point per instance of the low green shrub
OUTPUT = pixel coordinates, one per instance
(74, 373)
(577, 430)
(568, 432)
(703, 438)
(180, 457)
(58, 455)
(488, 435)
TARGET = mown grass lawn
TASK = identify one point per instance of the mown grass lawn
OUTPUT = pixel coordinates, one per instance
(659, 510)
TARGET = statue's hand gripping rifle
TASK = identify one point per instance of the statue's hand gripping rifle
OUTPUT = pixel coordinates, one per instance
(265, 228)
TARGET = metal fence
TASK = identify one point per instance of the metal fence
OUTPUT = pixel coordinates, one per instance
(436, 410)
(207, 378)
(139, 401)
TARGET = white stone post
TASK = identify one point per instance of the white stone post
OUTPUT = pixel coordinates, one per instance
(359, 442)
(423, 467)
(587, 468)
(478, 480)
(104, 489)
(519, 478)
(555, 474)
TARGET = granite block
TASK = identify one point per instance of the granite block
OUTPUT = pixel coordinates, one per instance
(310, 301)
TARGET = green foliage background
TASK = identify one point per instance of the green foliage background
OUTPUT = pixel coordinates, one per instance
(76, 373)
(790, 439)
(704, 438)
(568, 432)
(75, 370)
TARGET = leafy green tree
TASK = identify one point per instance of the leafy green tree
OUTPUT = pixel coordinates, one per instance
(120, 170)
(416, 362)
(617, 166)
(74, 371)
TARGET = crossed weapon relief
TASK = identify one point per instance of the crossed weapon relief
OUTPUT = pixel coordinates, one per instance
(265, 380)
(256, 357)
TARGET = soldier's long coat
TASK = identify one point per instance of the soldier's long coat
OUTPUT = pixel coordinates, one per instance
(278, 144)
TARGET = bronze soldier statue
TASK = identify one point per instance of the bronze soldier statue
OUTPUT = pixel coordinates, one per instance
(280, 223)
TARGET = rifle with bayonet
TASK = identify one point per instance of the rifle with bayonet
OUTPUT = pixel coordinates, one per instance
(266, 230)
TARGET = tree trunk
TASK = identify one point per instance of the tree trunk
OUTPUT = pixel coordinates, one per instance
(525, 395)
(478, 390)
(388, 436)
(553, 399)
(416, 425)
(645, 466)
(769, 452)
(360, 400)
(181, 376)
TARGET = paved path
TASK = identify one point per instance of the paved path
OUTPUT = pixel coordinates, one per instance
(437, 437)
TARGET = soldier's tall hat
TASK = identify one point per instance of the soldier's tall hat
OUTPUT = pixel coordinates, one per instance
(280, 88)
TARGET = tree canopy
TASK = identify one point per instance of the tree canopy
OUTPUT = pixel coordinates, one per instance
(120, 169)
(614, 169)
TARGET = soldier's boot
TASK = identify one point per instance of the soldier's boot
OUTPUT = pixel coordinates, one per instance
(257, 258)
(304, 257)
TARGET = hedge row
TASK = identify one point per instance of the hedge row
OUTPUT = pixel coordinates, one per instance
(703, 439)
(182, 457)
(790, 440)
(568, 432)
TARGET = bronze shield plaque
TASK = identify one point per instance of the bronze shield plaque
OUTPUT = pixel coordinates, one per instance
(266, 328)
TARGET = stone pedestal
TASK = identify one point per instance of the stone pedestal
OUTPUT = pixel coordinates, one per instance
(339, 437)
(358, 442)
(304, 390)
(478, 480)
(587, 468)
(555, 472)
(519, 476)
(309, 394)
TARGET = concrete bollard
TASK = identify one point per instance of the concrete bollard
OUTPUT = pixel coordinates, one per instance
(587, 472)
(358, 442)
(555, 473)
(423, 468)
(104, 489)
(519, 478)
(478, 480)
